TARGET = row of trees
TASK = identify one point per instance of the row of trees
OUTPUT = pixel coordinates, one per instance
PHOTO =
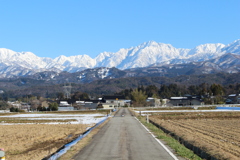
(167, 91)
(213, 93)
(52, 107)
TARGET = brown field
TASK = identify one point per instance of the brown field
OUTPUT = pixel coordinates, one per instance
(36, 141)
(217, 133)
(26, 139)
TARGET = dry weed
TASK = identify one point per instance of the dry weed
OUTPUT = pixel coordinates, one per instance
(217, 135)
(36, 141)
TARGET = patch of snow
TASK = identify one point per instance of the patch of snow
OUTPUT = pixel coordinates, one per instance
(80, 118)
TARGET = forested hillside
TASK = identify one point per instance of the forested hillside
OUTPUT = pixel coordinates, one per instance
(25, 86)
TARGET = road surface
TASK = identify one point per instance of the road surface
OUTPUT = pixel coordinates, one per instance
(123, 138)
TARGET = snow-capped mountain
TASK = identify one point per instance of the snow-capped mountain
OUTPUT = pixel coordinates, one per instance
(227, 63)
(149, 53)
(232, 47)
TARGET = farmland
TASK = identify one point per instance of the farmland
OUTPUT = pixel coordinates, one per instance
(216, 133)
(35, 136)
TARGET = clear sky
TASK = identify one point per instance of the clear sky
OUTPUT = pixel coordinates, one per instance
(50, 28)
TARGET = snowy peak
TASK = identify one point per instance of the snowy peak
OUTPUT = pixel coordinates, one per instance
(149, 53)
(207, 48)
(6, 53)
(61, 59)
(233, 47)
(149, 44)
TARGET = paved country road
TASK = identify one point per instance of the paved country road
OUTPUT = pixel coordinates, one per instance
(123, 138)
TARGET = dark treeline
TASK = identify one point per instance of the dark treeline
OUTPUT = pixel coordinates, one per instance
(186, 83)
(205, 90)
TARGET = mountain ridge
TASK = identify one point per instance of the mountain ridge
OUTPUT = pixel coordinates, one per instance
(14, 64)
(227, 63)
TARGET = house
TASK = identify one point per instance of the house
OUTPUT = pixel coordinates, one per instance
(151, 101)
(127, 103)
(25, 106)
(90, 105)
(86, 105)
(164, 102)
(65, 106)
(155, 102)
(45, 104)
(106, 106)
(187, 100)
(116, 100)
(233, 99)
(106, 102)
(15, 104)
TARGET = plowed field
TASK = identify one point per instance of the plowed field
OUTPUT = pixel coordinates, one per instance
(217, 134)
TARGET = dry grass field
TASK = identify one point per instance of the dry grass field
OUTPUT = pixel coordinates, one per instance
(216, 133)
(36, 141)
(33, 138)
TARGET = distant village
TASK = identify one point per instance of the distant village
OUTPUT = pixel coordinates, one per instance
(110, 102)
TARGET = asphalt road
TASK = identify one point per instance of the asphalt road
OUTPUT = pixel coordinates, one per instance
(123, 138)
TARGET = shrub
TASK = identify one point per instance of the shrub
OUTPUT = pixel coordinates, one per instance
(12, 109)
(53, 106)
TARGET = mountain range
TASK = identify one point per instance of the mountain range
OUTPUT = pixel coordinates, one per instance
(149, 57)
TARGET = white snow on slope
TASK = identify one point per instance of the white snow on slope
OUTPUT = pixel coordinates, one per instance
(148, 53)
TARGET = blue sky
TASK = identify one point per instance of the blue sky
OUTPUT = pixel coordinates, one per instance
(50, 28)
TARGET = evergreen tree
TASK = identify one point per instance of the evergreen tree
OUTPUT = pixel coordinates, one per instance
(216, 89)
(151, 90)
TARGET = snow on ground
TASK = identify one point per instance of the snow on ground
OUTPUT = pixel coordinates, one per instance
(4, 111)
(53, 115)
(80, 118)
